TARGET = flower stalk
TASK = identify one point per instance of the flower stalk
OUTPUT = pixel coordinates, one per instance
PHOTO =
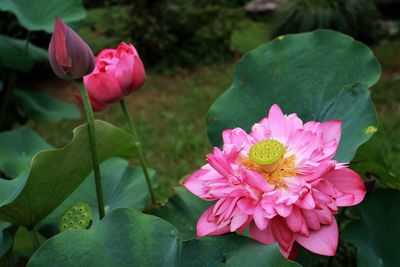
(133, 131)
(34, 238)
(93, 144)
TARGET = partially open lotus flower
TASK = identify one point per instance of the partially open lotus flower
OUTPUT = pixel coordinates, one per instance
(69, 56)
(118, 73)
(280, 181)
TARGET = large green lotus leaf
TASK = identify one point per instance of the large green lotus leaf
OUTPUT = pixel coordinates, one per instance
(12, 55)
(56, 173)
(303, 73)
(377, 233)
(7, 232)
(231, 250)
(17, 147)
(127, 237)
(183, 210)
(42, 107)
(39, 15)
(354, 107)
(123, 187)
(124, 237)
(5, 238)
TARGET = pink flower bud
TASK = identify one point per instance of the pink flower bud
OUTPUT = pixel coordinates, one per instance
(118, 72)
(70, 57)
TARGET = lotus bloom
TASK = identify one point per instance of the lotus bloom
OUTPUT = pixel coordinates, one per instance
(280, 181)
(70, 57)
(118, 72)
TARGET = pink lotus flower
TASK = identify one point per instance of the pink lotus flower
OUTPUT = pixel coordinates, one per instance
(118, 72)
(281, 181)
(69, 56)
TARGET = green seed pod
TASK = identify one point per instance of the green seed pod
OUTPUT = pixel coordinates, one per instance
(78, 216)
(266, 152)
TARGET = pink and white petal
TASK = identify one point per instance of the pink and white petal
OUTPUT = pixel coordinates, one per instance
(320, 197)
(218, 161)
(320, 171)
(244, 226)
(312, 126)
(237, 137)
(332, 130)
(306, 202)
(195, 184)
(259, 132)
(247, 205)
(238, 220)
(277, 124)
(256, 181)
(344, 200)
(348, 182)
(259, 218)
(207, 225)
(264, 236)
(283, 209)
(323, 241)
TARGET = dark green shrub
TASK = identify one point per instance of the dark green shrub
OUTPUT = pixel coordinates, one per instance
(357, 18)
(168, 32)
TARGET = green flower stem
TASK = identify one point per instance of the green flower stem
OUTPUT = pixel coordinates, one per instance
(132, 130)
(93, 144)
(34, 238)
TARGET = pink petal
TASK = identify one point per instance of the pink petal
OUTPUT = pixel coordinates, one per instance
(312, 219)
(139, 73)
(323, 241)
(348, 182)
(295, 220)
(283, 209)
(123, 73)
(259, 132)
(259, 218)
(332, 130)
(325, 215)
(238, 220)
(196, 183)
(282, 234)
(103, 87)
(207, 226)
(264, 236)
(96, 106)
(236, 136)
(219, 163)
(307, 202)
(321, 170)
(277, 123)
(247, 205)
(256, 181)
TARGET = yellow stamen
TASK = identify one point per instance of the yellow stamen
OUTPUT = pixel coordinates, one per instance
(266, 158)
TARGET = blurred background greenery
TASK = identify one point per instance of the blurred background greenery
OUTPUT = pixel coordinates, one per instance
(190, 47)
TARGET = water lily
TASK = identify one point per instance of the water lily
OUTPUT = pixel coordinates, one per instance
(281, 181)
